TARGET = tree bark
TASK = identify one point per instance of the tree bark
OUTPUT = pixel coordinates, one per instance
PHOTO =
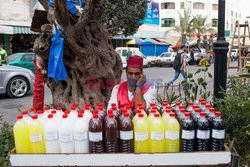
(88, 52)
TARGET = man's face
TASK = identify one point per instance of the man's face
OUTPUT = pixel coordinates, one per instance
(133, 75)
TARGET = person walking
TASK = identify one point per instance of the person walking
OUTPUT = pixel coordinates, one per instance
(3, 55)
(179, 65)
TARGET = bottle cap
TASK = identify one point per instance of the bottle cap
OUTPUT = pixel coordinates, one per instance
(32, 109)
(34, 117)
(157, 115)
(181, 107)
(203, 103)
(113, 104)
(182, 110)
(126, 114)
(200, 99)
(152, 104)
(202, 114)
(66, 112)
(165, 101)
(197, 110)
(128, 107)
(73, 108)
(95, 112)
(19, 117)
(138, 111)
(211, 109)
(39, 112)
(111, 115)
(139, 104)
(140, 115)
(80, 115)
(168, 107)
(110, 111)
(154, 108)
(190, 103)
(123, 110)
(141, 107)
(187, 114)
(59, 108)
(172, 114)
(195, 106)
(81, 111)
(75, 105)
(217, 114)
(114, 108)
(95, 116)
(65, 116)
(25, 112)
(54, 112)
(168, 110)
(153, 111)
(46, 108)
(100, 107)
(87, 106)
(177, 103)
(100, 104)
(207, 105)
(50, 116)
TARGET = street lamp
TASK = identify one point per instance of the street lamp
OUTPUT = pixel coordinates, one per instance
(220, 49)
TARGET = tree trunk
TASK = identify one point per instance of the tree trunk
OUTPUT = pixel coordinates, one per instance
(88, 52)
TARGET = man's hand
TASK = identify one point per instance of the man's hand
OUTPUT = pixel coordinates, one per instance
(141, 81)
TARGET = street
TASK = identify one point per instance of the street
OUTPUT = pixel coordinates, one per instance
(9, 107)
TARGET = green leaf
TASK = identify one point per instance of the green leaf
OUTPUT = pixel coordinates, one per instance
(190, 75)
(200, 80)
(198, 71)
(210, 75)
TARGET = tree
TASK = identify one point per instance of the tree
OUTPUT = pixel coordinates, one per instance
(88, 51)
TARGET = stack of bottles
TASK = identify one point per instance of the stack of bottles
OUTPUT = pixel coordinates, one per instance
(157, 130)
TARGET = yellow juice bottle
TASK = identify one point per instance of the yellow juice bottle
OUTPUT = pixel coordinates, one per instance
(21, 136)
(151, 115)
(172, 134)
(166, 115)
(156, 128)
(36, 135)
(141, 142)
(135, 118)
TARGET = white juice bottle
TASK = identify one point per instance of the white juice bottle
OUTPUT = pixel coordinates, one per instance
(26, 117)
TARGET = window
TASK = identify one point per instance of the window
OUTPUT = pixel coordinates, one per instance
(232, 27)
(232, 13)
(28, 57)
(198, 5)
(215, 7)
(236, 14)
(168, 5)
(182, 5)
(227, 25)
(214, 22)
(167, 22)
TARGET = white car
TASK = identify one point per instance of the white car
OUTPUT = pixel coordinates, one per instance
(166, 58)
(122, 51)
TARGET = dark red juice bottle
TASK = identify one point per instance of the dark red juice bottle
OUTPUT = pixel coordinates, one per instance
(126, 134)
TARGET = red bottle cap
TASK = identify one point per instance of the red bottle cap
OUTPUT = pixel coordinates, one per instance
(46, 108)
(32, 109)
(25, 112)
(65, 112)
(128, 106)
(200, 99)
(59, 108)
(140, 115)
(152, 104)
(172, 114)
(195, 106)
(54, 112)
(114, 108)
(141, 107)
(181, 107)
(153, 111)
(123, 110)
(157, 115)
(100, 104)
(139, 104)
(217, 114)
(50, 116)
(177, 103)
(187, 114)
(81, 111)
(154, 108)
(190, 103)
(168, 110)
(203, 103)
(111, 115)
(65, 116)
(168, 107)
(208, 106)
(39, 112)
(113, 104)
(182, 110)
(197, 110)
(74, 105)
(19, 117)
(34, 117)
(80, 115)
(202, 114)
(95, 112)
(126, 114)
(95, 116)
(100, 107)
(211, 109)
(73, 108)
(87, 106)
(138, 111)
(110, 111)
(165, 101)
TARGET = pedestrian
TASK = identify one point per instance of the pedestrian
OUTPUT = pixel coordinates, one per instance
(128, 54)
(3, 55)
(179, 65)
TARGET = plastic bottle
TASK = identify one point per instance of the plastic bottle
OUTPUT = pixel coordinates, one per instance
(59, 110)
(166, 115)
(211, 115)
(190, 107)
(218, 133)
(46, 111)
(203, 106)
(172, 134)
(95, 135)
(138, 111)
(32, 111)
(196, 116)
(21, 136)
(203, 133)
(41, 117)
(181, 115)
(102, 111)
(26, 116)
(57, 117)
(87, 112)
(129, 110)
(188, 134)
(51, 135)
(81, 139)
(152, 114)
(155, 108)
(176, 107)
(36, 134)
(66, 135)
(111, 135)
(73, 113)
(126, 134)
(156, 127)
(141, 140)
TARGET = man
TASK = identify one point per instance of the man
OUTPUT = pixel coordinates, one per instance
(180, 65)
(3, 55)
(135, 90)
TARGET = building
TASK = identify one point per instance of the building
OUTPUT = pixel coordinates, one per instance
(15, 20)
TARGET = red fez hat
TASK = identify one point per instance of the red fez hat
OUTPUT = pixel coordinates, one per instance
(135, 61)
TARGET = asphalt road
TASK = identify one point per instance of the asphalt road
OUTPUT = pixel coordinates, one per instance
(9, 107)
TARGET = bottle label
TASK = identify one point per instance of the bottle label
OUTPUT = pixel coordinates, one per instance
(172, 135)
(65, 137)
(80, 135)
(95, 136)
(203, 134)
(141, 136)
(218, 134)
(126, 135)
(187, 134)
(51, 136)
(36, 138)
(157, 135)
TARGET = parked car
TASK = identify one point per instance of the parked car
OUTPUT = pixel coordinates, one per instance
(24, 60)
(122, 51)
(166, 58)
(15, 81)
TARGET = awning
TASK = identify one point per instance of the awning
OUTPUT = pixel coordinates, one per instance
(135, 41)
(6, 29)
